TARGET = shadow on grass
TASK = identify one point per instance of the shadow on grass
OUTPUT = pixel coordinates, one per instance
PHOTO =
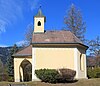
(68, 81)
(64, 82)
(72, 81)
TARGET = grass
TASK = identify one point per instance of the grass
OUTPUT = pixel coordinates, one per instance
(89, 82)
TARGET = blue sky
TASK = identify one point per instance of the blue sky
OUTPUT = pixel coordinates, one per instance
(16, 15)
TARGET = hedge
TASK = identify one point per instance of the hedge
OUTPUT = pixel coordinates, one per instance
(55, 76)
(67, 74)
(93, 73)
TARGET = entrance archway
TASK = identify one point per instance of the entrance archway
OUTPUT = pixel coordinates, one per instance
(25, 70)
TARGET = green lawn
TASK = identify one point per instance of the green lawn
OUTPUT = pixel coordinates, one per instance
(89, 82)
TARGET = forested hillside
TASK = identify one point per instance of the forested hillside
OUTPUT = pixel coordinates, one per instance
(4, 53)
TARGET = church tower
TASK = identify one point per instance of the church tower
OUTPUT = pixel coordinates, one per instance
(39, 21)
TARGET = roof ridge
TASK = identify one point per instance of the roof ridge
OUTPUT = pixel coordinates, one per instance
(57, 31)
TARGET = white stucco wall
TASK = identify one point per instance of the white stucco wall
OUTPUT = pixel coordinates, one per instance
(80, 73)
(55, 58)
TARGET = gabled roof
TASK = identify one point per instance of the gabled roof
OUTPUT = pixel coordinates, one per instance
(55, 37)
(24, 52)
(50, 37)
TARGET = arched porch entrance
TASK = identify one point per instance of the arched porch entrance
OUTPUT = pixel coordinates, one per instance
(25, 71)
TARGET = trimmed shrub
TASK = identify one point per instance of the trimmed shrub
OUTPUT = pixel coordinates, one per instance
(98, 75)
(47, 75)
(54, 76)
(67, 74)
(93, 73)
(11, 79)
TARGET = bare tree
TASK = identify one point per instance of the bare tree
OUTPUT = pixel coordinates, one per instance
(29, 33)
(74, 22)
(94, 47)
(97, 61)
(91, 62)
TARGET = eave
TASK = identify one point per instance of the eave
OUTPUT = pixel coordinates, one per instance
(73, 44)
(21, 55)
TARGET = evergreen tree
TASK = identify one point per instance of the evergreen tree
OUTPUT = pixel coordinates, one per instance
(1, 70)
(74, 22)
(10, 62)
(1, 67)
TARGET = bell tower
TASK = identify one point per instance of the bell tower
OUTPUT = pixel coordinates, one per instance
(39, 21)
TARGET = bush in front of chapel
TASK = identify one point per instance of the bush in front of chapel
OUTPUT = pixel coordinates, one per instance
(55, 76)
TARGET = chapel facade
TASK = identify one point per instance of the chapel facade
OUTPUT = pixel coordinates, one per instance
(50, 50)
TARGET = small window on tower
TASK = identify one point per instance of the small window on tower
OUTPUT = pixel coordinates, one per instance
(39, 23)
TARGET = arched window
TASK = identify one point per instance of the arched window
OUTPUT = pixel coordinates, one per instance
(81, 62)
(39, 23)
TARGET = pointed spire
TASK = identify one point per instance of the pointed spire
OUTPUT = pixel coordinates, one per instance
(39, 14)
(40, 6)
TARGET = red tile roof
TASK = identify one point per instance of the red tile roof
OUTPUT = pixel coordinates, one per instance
(55, 37)
(24, 52)
(50, 37)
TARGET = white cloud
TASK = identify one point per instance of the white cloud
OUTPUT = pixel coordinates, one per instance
(23, 42)
(13, 10)
(2, 26)
(9, 12)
